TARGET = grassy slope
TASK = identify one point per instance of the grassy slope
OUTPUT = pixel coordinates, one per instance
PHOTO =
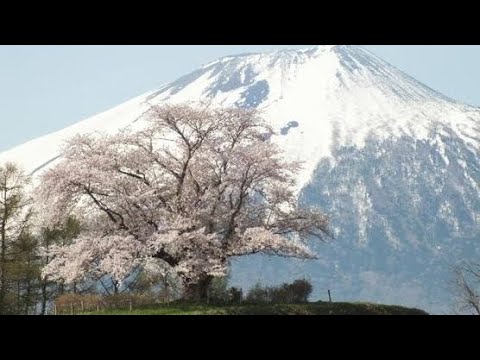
(320, 308)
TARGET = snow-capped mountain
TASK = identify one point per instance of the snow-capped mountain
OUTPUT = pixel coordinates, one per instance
(395, 164)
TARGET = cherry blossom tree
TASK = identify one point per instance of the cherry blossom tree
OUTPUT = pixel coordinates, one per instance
(191, 187)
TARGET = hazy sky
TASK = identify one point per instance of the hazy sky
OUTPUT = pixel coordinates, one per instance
(46, 88)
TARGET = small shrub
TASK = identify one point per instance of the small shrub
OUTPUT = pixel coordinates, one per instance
(236, 295)
(218, 293)
(300, 291)
(294, 293)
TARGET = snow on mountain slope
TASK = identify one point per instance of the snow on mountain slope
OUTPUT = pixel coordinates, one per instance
(394, 162)
(36, 154)
(335, 95)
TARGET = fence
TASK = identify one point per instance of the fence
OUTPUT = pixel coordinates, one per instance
(72, 304)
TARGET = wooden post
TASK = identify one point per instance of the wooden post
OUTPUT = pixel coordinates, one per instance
(54, 309)
(98, 308)
(71, 309)
(130, 305)
(329, 296)
(81, 304)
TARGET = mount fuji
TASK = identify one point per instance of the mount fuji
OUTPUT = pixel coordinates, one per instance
(394, 163)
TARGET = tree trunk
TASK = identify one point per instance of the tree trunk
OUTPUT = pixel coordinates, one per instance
(44, 295)
(116, 289)
(29, 285)
(3, 277)
(3, 250)
(198, 291)
(28, 290)
(18, 301)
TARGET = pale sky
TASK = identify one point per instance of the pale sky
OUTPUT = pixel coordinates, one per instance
(46, 88)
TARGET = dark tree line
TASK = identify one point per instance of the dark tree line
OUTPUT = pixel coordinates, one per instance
(23, 290)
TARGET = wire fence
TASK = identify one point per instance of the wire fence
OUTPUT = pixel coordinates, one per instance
(72, 304)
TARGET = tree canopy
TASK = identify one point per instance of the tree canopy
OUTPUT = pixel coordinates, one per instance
(191, 188)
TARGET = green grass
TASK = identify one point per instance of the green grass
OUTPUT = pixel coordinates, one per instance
(320, 308)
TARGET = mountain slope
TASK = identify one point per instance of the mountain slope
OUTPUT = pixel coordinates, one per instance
(395, 163)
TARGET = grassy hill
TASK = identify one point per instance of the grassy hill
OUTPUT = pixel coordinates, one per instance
(320, 308)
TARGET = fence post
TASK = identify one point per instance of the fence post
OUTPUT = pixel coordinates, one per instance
(98, 308)
(71, 308)
(54, 309)
(81, 304)
(130, 305)
(329, 296)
